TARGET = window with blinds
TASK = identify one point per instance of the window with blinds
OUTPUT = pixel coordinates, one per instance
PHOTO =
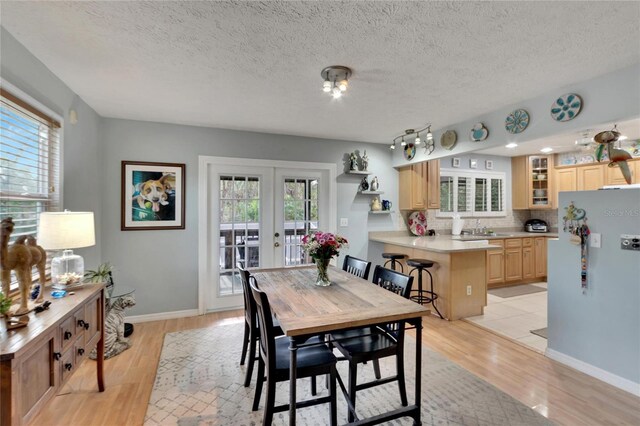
(471, 194)
(29, 164)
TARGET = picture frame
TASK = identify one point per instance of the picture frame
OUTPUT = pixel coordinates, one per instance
(455, 162)
(488, 164)
(473, 163)
(153, 196)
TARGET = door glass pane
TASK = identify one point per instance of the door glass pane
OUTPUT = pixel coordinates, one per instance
(464, 194)
(239, 229)
(300, 217)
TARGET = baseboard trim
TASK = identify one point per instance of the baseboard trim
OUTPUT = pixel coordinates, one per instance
(593, 371)
(162, 316)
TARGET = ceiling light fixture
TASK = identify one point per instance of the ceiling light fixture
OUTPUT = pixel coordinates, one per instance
(546, 150)
(393, 145)
(511, 145)
(429, 145)
(336, 80)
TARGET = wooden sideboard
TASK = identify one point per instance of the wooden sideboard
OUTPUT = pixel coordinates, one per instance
(36, 360)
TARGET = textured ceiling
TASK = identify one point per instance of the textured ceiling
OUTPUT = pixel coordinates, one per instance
(256, 65)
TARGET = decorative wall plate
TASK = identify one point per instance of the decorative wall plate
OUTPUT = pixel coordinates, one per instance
(448, 139)
(418, 223)
(566, 107)
(409, 151)
(517, 121)
(479, 132)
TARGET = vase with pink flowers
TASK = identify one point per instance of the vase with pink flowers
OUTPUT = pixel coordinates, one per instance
(321, 247)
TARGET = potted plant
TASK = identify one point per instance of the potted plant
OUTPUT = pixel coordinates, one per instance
(5, 304)
(101, 275)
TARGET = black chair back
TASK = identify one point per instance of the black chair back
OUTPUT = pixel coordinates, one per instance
(399, 284)
(393, 281)
(249, 303)
(265, 321)
(358, 267)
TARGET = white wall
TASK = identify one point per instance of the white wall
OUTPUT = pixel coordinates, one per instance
(598, 331)
(608, 98)
(162, 265)
(81, 165)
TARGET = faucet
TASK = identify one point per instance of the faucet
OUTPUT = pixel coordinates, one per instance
(476, 230)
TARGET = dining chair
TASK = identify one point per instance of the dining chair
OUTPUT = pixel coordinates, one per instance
(313, 358)
(358, 267)
(376, 342)
(251, 333)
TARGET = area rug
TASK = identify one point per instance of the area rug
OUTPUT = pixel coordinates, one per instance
(542, 332)
(516, 290)
(200, 382)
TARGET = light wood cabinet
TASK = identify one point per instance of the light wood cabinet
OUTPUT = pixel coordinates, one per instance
(495, 264)
(433, 184)
(412, 180)
(566, 180)
(591, 178)
(419, 186)
(520, 260)
(532, 182)
(540, 254)
(613, 176)
(513, 259)
(35, 361)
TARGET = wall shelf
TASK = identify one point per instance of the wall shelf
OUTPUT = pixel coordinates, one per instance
(357, 172)
(371, 192)
(381, 212)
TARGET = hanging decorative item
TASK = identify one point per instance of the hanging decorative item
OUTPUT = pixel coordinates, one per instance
(575, 223)
(479, 132)
(617, 157)
(418, 223)
(517, 121)
(448, 139)
(409, 151)
(566, 107)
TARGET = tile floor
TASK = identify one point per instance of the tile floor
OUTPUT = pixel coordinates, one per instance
(515, 317)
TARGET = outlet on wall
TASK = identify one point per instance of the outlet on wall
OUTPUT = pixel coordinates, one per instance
(468, 290)
(595, 240)
(344, 221)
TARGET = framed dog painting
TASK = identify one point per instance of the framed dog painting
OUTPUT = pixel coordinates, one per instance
(152, 196)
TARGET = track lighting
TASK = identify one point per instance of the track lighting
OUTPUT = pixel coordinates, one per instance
(429, 145)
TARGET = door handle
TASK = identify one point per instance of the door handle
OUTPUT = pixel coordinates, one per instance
(277, 234)
(276, 244)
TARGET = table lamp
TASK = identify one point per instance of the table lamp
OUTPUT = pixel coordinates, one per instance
(65, 231)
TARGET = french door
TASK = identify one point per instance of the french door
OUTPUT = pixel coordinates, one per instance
(257, 216)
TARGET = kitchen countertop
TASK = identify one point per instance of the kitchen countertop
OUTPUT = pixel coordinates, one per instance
(448, 243)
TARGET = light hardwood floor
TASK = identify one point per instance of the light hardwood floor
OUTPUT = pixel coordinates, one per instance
(562, 394)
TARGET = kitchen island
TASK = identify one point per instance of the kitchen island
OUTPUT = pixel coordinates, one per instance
(460, 278)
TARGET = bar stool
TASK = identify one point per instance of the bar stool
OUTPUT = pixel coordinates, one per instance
(393, 257)
(424, 297)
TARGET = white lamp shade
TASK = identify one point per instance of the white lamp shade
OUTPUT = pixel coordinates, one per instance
(66, 230)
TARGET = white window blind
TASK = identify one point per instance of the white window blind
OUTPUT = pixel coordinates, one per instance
(29, 164)
(471, 194)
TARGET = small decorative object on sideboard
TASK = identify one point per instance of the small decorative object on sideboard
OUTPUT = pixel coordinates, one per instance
(364, 184)
(101, 275)
(21, 256)
(374, 184)
(365, 161)
(353, 161)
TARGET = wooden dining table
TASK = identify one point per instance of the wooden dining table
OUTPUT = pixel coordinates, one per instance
(305, 309)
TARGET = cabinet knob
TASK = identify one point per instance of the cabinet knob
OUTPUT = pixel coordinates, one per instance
(57, 356)
(81, 323)
(80, 351)
(86, 325)
(68, 366)
(67, 335)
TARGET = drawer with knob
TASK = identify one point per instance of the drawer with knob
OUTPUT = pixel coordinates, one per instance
(67, 333)
(67, 364)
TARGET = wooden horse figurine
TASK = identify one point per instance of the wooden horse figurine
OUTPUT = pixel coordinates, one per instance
(21, 257)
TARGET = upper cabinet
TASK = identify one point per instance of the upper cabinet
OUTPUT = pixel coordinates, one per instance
(532, 178)
(420, 186)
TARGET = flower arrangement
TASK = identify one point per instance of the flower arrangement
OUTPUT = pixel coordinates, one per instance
(322, 246)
